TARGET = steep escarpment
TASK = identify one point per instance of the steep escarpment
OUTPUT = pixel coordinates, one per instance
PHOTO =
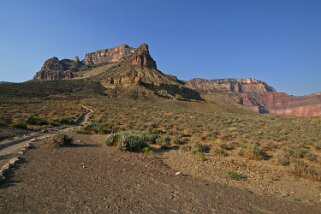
(284, 104)
(260, 96)
(232, 85)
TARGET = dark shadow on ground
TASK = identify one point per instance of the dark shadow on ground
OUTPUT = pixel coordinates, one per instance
(10, 179)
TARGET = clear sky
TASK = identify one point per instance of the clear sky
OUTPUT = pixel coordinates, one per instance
(278, 41)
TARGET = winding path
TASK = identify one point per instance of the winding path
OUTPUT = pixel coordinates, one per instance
(9, 148)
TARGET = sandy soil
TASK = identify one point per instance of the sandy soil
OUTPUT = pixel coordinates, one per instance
(92, 178)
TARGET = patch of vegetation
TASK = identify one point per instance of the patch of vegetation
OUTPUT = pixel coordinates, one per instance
(148, 150)
(96, 128)
(36, 121)
(220, 152)
(253, 151)
(82, 131)
(301, 169)
(236, 176)
(201, 156)
(132, 141)
(20, 125)
(60, 140)
(64, 121)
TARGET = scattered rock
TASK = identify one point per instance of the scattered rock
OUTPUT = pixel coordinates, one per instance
(178, 173)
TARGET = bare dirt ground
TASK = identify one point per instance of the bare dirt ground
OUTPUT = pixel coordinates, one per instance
(92, 178)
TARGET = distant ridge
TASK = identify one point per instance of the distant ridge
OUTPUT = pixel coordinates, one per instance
(4, 82)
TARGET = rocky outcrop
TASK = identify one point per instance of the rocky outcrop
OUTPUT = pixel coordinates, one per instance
(233, 85)
(120, 81)
(55, 69)
(141, 57)
(111, 55)
(282, 103)
(260, 97)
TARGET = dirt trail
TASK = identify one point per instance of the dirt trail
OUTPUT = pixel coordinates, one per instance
(10, 147)
(92, 178)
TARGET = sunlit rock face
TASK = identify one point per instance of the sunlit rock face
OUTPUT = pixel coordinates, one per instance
(55, 69)
(232, 85)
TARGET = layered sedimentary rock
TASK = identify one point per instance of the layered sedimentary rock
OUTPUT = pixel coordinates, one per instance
(232, 85)
(120, 81)
(284, 104)
(110, 55)
(55, 69)
(260, 97)
(141, 57)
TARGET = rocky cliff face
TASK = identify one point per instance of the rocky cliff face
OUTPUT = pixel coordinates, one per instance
(260, 97)
(111, 55)
(233, 85)
(55, 69)
(284, 104)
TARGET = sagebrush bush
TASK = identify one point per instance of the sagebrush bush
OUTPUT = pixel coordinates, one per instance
(20, 125)
(236, 176)
(60, 140)
(36, 121)
(133, 141)
(301, 169)
(253, 151)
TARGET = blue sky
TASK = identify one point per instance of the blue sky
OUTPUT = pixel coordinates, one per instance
(278, 41)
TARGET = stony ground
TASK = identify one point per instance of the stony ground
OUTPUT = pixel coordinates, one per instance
(92, 178)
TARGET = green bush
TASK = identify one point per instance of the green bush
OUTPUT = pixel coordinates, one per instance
(82, 131)
(64, 121)
(96, 128)
(36, 121)
(60, 140)
(301, 169)
(129, 140)
(111, 140)
(20, 125)
(236, 176)
(148, 150)
(253, 151)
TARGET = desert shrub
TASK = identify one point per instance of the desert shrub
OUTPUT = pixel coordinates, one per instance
(236, 176)
(150, 137)
(36, 121)
(225, 146)
(317, 146)
(196, 147)
(201, 156)
(301, 169)
(284, 156)
(64, 121)
(111, 139)
(20, 125)
(60, 140)
(311, 157)
(253, 151)
(128, 140)
(178, 140)
(220, 152)
(148, 150)
(131, 141)
(82, 131)
(96, 128)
